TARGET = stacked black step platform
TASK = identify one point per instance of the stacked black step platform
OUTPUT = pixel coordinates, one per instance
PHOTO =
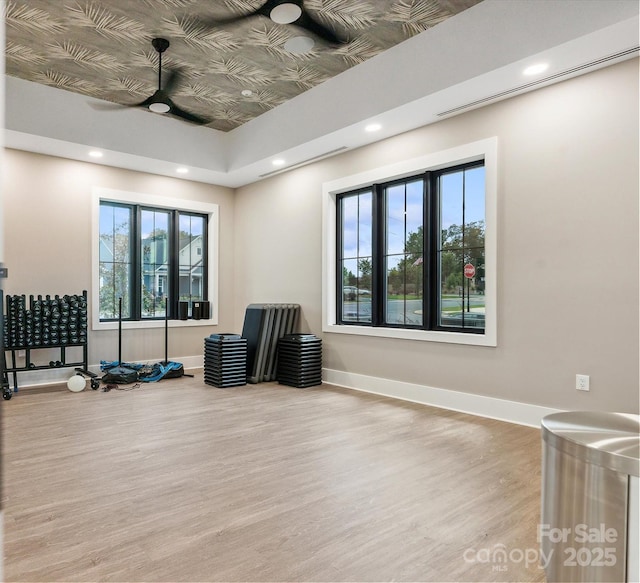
(300, 360)
(225, 360)
(264, 325)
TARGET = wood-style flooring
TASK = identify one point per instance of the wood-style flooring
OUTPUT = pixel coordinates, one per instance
(180, 481)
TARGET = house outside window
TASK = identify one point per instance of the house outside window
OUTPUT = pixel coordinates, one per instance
(191, 261)
(151, 258)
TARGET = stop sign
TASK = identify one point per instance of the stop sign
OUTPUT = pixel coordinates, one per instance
(469, 270)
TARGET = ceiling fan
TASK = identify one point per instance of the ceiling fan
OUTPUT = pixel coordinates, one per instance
(160, 102)
(288, 12)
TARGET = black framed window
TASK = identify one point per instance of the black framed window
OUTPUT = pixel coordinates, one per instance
(411, 252)
(151, 258)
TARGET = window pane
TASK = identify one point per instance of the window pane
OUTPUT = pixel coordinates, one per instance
(349, 278)
(463, 308)
(451, 208)
(191, 257)
(404, 253)
(363, 294)
(365, 220)
(356, 220)
(108, 304)
(106, 233)
(415, 209)
(404, 291)
(451, 287)
(395, 219)
(474, 195)
(461, 255)
(404, 217)
(473, 294)
(349, 215)
(154, 252)
(356, 299)
(115, 266)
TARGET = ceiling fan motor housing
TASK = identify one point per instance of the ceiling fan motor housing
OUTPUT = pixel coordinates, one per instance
(160, 44)
(159, 102)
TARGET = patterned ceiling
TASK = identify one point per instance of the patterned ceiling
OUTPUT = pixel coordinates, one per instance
(102, 48)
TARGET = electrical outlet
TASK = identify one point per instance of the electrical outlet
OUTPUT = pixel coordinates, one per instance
(582, 382)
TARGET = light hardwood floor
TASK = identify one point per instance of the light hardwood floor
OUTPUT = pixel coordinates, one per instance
(180, 481)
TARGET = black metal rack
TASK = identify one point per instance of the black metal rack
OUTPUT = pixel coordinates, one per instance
(58, 322)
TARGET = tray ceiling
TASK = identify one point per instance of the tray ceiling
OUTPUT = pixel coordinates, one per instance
(103, 49)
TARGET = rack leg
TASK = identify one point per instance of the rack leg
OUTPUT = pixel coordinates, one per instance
(7, 393)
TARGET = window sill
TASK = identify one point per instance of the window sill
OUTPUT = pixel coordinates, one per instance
(485, 339)
(149, 324)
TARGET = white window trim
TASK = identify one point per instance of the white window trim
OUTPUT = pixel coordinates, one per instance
(210, 209)
(486, 149)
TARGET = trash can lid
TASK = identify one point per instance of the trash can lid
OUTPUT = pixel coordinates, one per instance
(610, 440)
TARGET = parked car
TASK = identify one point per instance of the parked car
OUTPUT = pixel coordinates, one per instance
(350, 292)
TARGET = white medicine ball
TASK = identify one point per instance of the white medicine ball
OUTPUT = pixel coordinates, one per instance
(76, 383)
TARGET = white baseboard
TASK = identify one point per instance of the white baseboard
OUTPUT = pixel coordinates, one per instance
(482, 406)
(52, 376)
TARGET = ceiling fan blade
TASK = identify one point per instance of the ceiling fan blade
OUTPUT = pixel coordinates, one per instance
(307, 22)
(190, 117)
(173, 78)
(108, 106)
(214, 22)
(264, 10)
(220, 22)
(144, 103)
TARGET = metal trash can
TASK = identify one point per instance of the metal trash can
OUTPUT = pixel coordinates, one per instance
(590, 472)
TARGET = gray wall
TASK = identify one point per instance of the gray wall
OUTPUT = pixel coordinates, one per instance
(567, 248)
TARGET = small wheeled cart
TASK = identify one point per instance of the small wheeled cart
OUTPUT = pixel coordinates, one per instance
(94, 379)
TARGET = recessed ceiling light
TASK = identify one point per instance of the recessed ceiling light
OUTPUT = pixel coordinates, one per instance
(182, 170)
(95, 154)
(246, 93)
(278, 162)
(299, 44)
(286, 13)
(535, 69)
(373, 127)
